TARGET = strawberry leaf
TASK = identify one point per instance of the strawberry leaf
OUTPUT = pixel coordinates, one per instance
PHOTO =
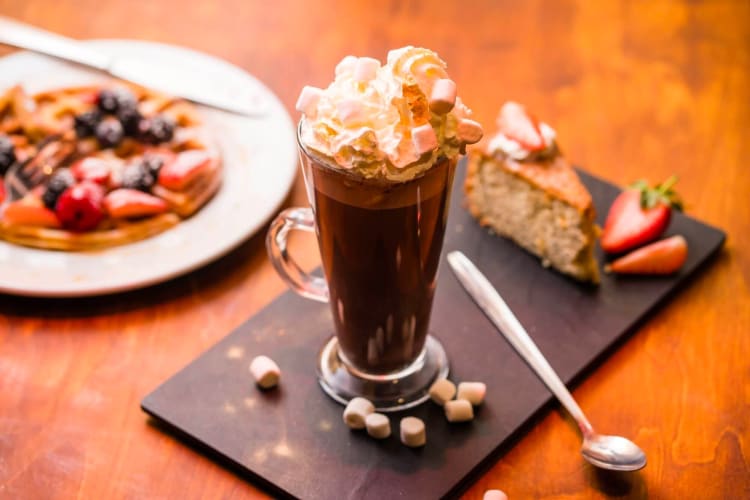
(660, 194)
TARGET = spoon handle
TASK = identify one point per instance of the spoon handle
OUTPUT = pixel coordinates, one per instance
(493, 305)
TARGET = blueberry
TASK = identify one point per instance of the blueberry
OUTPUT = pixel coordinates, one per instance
(109, 133)
(107, 100)
(125, 99)
(7, 153)
(130, 118)
(60, 180)
(85, 123)
(110, 100)
(157, 129)
(137, 176)
(153, 164)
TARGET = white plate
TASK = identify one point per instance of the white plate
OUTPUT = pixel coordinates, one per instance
(260, 160)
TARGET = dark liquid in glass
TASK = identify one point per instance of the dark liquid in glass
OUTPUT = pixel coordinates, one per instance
(380, 245)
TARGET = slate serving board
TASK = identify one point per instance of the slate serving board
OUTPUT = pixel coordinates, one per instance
(292, 441)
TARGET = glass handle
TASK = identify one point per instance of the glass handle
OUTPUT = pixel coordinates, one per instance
(311, 287)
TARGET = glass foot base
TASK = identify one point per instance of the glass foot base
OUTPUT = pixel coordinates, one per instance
(388, 392)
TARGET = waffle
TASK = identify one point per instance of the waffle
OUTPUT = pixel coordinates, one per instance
(32, 121)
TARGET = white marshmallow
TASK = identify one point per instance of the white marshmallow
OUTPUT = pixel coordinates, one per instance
(473, 392)
(443, 96)
(265, 371)
(469, 131)
(442, 391)
(356, 412)
(378, 425)
(494, 495)
(412, 432)
(424, 138)
(346, 65)
(350, 111)
(365, 69)
(307, 101)
(459, 410)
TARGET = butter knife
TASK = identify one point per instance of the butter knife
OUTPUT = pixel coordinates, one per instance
(170, 80)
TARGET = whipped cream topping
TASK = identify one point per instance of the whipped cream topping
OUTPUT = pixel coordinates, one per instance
(392, 121)
(504, 145)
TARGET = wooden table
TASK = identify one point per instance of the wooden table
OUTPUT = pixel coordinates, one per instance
(634, 89)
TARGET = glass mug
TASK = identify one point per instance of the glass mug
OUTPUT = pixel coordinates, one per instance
(380, 243)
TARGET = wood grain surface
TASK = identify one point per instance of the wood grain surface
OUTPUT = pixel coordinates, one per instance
(634, 89)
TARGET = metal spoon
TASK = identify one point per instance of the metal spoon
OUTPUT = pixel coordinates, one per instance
(607, 452)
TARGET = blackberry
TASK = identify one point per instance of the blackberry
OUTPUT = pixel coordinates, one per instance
(7, 153)
(153, 164)
(60, 180)
(130, 119)
(137, 176)
(110, 100)
(157, 129)
(85, 123)
(109, 133)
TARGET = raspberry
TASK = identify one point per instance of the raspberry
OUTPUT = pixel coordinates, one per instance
(79, 207)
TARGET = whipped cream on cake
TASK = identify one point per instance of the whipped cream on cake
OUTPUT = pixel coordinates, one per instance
(391, 121)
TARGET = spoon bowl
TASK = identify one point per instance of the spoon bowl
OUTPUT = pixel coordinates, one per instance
(613, 453)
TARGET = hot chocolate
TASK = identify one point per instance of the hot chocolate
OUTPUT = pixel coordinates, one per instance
(380, 245)
(378, 149)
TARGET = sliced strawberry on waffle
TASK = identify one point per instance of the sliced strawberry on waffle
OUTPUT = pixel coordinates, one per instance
(126, 203)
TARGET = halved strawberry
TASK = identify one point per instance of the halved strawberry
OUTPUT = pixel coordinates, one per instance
(127, 203)
(92, 169)
(518, 124)
(29, 211)
(661, 257)
(185, 167)
(638, 215)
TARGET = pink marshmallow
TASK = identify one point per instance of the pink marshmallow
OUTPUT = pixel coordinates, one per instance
(365, 69)
(308, 100)
(349, 111)
(469, 131)
(424, 138)
(443, 96)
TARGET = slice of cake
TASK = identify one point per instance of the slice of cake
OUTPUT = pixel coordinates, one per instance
(523, 188)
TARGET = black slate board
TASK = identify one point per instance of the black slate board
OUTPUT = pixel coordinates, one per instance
(292, 440)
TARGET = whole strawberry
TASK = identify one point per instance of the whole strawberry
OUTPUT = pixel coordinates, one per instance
(638, 215)
(79, 207)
